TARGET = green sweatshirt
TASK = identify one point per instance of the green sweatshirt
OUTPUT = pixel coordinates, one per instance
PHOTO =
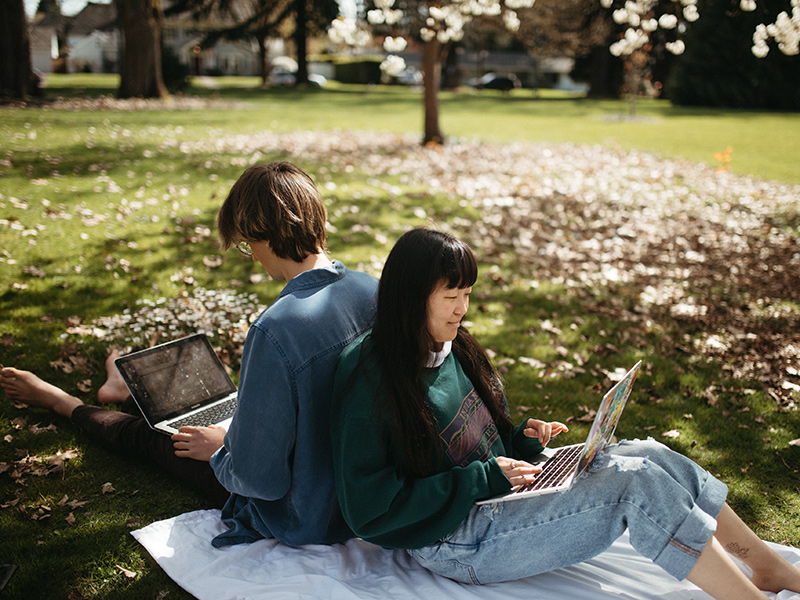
(387, 508)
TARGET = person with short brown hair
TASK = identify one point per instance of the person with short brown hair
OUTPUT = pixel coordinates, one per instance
(272, 472)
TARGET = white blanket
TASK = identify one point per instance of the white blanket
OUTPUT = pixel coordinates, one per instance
(359, 570)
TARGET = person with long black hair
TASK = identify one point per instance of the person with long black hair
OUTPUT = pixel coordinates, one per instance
(421, 431)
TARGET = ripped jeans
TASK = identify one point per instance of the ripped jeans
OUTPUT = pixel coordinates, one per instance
(668, 503)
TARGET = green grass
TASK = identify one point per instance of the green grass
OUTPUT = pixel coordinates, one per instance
(764, 144)
(100, 210)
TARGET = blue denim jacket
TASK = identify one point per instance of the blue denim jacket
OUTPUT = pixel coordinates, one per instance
(276, 460)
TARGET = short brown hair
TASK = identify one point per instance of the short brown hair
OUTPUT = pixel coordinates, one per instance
(277, 203)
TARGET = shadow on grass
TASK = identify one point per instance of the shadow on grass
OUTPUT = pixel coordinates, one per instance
(739, 437)
(85, 557)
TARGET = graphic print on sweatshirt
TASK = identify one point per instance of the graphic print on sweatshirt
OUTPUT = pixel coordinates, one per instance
(471, 433)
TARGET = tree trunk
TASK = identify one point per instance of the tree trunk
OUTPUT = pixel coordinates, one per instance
(140, 22)
(263, 61)
(431, 79)
(605, 74)
(300, 35)
(16, 75)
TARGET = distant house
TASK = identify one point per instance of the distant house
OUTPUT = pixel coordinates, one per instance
(93, 40)
(44, 41)
(91, 43)
(44, 48)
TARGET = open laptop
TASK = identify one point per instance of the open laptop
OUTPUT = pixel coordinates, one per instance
(567, 463)
(179, 383)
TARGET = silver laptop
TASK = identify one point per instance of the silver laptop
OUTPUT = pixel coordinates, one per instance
(567, 463)
(179, 383)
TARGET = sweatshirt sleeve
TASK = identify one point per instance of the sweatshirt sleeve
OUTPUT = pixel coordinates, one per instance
(255, 458)
(379, 503)
(524, 447)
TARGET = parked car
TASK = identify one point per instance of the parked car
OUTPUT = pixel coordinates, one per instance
(409, 76)
(280, 77)
(492, 81)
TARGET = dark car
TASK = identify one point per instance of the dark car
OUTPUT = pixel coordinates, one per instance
(492, 81)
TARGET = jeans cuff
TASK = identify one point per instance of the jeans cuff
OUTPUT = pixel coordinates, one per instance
(684, 547)
(712, 497)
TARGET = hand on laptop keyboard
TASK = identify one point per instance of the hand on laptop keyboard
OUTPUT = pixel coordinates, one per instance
(518, 472)
(198, 443)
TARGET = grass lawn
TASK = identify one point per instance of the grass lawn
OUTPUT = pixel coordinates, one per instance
(603, 241)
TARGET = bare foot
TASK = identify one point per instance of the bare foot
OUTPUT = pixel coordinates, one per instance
(114, 389)
(778, 576)
(26, 387)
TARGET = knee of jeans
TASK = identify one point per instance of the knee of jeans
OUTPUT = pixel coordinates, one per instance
(619, 462)
(644, 447)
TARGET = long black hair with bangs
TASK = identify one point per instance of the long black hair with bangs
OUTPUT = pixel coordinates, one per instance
(420, 261)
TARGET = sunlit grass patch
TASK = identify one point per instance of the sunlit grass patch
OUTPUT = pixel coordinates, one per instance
(591, 258)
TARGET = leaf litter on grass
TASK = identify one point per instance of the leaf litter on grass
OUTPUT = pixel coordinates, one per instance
(713, 252)
(709, 249)
(699, 246)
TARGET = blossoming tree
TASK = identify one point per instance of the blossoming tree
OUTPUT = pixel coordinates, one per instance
(785, 31)
(648, 22)
(435, 25)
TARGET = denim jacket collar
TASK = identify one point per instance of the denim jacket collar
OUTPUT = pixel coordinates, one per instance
(315, 278)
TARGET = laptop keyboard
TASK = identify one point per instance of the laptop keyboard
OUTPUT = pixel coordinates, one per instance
(213, 414)
(556, 470)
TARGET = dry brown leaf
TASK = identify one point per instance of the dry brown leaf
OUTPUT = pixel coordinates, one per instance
(70, 518)
(36, 429)
(133, 522)
(107, 488)
(127, 572)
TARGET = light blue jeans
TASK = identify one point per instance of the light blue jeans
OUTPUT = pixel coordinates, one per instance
(668, 503)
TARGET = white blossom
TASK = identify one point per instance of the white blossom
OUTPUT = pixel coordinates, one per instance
(375, 17)
(649, 25)
(392, 17)
(677, 47)
(394, 44)
(785, 31)
(690, 13)
(393, 65)
(668, 21)
(511, 20)
(517, 4)
(346, 31)
(760, 50)
(437, 13)
(748, 5)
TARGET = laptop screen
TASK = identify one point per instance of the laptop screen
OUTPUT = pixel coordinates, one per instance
(608, 416)
(169, 379)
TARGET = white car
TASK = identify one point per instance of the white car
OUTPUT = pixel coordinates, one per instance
(280, 77)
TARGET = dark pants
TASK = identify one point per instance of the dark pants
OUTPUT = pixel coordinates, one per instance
(130, 435)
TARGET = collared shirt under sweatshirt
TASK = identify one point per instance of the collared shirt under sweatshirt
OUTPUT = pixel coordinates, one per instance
(276, 460)
(379, 502)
